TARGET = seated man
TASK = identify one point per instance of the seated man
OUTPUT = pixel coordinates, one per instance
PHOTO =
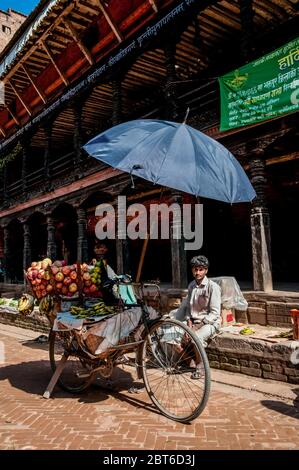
(201, 310)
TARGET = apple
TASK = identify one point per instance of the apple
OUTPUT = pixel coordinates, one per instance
(63, 263)
(93, 288)
(86, 290)
(87, 283)
(67, 281)
(43, 293)
(49, 288)
(73, 275)
(47, 276)
(40, 273)
(54, 270)
(84, 267)
(59, 277)
(66, 270)
(59, 285)
(38, 280)
(64, 290)
(57, 264)
(86, 276)
(73, 287)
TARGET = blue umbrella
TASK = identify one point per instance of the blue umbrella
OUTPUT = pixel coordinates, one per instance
(173, 155)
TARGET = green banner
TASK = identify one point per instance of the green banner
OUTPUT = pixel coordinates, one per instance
(266, 88)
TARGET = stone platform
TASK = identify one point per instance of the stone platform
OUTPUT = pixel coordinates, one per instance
(259, 355)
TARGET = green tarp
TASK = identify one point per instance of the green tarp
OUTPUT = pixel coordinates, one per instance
(263, 89)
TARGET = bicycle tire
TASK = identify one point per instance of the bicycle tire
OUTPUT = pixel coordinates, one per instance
(66, 378)
(160, 359)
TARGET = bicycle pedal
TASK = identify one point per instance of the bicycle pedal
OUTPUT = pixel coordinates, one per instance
(82, 375)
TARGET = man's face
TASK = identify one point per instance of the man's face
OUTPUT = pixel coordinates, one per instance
(199, 272)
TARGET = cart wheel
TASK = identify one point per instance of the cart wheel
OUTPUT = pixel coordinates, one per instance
(75, 376)
(175, 370)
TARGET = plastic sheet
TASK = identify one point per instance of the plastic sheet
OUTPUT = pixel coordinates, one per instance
(231, 295)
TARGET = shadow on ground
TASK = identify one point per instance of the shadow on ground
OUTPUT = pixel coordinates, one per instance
(284, 408)
(33, 377)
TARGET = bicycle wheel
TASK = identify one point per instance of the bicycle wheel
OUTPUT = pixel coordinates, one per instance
(175, 370)
(75, 377)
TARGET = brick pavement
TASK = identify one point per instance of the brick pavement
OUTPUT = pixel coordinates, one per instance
(99, 419)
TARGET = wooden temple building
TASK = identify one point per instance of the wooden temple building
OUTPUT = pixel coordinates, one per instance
(77, 67)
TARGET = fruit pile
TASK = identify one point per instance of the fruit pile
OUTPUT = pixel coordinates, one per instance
(46, 278)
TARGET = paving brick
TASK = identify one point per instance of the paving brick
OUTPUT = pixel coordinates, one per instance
(99, 420)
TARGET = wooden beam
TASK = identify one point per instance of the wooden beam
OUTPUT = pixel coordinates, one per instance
(30, 77)
(77, 39)
(20, 98)
(282, 159)
(110, 21)
(2, 131)
(36, 46)
(63, 78)
(154, 5)
(13, 115)
(92, 8)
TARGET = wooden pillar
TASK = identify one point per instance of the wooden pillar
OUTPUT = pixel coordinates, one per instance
(122, 246)
(170, 89)
(25, 154)
(51, 243)
(7, 254)
(82, 244)
(27, 245)
(3, 175)
(247, 30)
(48, 129)
(260, 227)
(178, 253)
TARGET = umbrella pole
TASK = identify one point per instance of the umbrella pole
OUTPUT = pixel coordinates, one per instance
(144, 246)
(142, 256)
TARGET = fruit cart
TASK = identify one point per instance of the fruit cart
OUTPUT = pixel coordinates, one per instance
(88, 338)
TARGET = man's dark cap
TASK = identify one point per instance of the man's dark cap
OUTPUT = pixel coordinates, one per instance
(200, 260)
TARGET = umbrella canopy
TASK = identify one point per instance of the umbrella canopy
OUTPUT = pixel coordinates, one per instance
(173, 155)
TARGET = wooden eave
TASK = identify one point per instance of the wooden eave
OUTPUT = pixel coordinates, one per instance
(217, 27)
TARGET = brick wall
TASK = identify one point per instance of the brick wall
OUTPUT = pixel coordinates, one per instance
(35, 322)
(253, 357)
(10, 21)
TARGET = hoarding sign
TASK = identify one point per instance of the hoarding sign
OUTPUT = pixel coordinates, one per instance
(263, 89)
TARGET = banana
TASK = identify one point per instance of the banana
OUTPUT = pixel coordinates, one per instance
(26, 304)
